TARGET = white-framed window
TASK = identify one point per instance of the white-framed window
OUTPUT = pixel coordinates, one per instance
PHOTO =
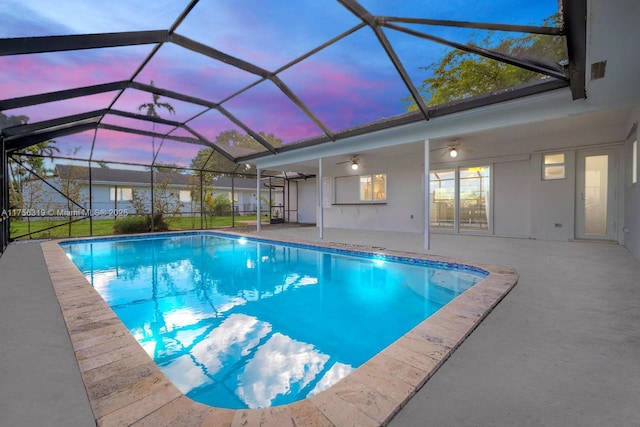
(373, 188)
(553, 166)
(185, 196)
(122, 193)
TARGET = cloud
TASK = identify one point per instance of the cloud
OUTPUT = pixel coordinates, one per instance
(25, 75)
(19, 20)
(62, 17)
(52, 110)
(181, 70)
(260, 33)
(344, 96)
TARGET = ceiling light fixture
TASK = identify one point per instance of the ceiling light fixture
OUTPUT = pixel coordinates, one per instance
(353, 162)
(453, 152)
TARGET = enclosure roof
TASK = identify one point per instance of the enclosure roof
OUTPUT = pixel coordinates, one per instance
(159, 82)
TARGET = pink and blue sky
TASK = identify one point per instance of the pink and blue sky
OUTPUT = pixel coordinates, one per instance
(349, 83)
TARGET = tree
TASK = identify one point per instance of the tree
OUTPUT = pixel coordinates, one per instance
(233, 138)
(33, 157)
(207, 160)
(221, 205)
(461, 74)
(209, 164)
(9, 121)
(32, 199)
(167, 168)
(139, 202)
(71, 186)
(162, 198)
(155, 105)
(166, 201)
(34, 154)
(152, 110)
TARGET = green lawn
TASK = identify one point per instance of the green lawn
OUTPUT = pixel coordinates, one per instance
(104, 227)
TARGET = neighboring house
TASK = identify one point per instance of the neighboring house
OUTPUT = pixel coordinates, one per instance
(113, 191)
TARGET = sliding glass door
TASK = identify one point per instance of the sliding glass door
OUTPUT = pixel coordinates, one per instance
(474, 197)
(460, 199)
(443, 199)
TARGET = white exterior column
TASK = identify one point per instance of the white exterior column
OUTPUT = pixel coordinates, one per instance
(427, 199)
(258, 200)
(320, 201)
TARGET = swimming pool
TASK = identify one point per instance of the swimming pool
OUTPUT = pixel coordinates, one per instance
(241, 323)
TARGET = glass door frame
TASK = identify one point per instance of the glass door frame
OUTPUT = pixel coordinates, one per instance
(457, 229)
(611, 233)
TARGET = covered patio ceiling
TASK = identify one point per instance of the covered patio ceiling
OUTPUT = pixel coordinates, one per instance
(154, 83)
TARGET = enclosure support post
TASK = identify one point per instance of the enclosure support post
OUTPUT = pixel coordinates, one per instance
(320, 201)
(258, 170)
(233, 200)
(427, 201)
(270, 199)
(91, 201)
(152, 210)
(288, 199)
(115, 201)
(202, 212)
(4, 197)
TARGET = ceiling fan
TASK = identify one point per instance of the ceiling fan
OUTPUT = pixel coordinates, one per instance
(453, 148)
(354, 160)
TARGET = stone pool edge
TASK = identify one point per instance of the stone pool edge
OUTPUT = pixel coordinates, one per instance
(125, 387)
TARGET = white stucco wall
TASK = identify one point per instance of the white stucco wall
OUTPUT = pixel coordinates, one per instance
(403, 210)
(552, 202)
(631, 231)
(512, 199)
(307, 203)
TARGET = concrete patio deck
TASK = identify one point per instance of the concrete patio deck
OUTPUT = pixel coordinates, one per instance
(563, 347)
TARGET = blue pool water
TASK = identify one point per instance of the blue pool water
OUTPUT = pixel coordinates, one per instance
(238, 323)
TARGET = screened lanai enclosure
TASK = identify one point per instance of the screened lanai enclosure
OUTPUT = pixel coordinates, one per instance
(130, 116)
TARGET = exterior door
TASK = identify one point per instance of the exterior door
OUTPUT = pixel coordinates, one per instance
(461, 199)
(596, 194)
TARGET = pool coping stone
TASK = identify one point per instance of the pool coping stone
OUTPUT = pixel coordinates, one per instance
(126, 387)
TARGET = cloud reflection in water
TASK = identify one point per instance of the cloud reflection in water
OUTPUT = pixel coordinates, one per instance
(278, 366)
(233, 339)
(264, 365)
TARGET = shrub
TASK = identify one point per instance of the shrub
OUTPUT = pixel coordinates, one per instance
(221, 205)
(159, 223)
(131, 224)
